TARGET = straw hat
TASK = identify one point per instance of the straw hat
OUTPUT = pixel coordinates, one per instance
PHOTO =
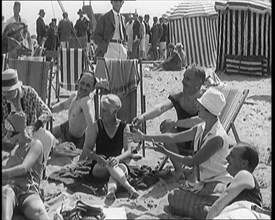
(10, 80)
(213, 100)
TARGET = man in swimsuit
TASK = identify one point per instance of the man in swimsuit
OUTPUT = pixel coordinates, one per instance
(80, 112)
(185, 105)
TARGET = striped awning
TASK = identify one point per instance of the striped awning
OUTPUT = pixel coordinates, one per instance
(244, 30)
(194, 24)
(193, 8)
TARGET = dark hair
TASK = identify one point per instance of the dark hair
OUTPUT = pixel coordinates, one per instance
(171, 46)
(250, 154)
(17, 4)
(145, 16)
(199, 71)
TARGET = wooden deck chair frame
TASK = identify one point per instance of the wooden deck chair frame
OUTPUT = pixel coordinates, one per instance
(41, 80)
(67, 80)
(235, 99)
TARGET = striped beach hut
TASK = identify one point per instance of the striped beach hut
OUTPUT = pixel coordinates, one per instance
(244, 36)
(194, 24)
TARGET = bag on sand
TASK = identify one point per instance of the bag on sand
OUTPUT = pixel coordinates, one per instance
(81, 211)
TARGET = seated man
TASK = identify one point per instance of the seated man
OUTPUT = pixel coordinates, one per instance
(211, 148)
(242, 198)
(185, 105)
(114, 146)
(80, 112)
(22, 174)
(18, 97)
(172, 63)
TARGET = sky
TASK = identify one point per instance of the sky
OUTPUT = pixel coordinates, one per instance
(30, 9)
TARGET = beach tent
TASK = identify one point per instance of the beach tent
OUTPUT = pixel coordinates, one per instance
(244, 34)
(194, 24)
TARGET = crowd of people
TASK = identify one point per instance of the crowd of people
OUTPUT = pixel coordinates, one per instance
(223, 174)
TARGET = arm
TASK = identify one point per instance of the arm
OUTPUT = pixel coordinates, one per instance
(188, 122)
(58, 107)
(98, 33)
(87, 106)
(243, 180)
(35, 151)
(89, 144)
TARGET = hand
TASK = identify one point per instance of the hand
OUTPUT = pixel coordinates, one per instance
(102, 161)
(137, 121)
(38, 124)
(137, 135)
(159, 147)
(167, 125)
(112, 162)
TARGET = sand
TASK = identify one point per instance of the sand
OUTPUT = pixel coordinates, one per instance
(253, 125)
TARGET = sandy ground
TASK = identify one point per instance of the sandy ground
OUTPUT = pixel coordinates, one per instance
(253, 124)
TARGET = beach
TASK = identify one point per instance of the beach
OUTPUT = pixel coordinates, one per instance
(253, 124)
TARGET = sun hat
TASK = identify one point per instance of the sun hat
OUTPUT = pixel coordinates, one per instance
(213, 100)
(17, 120)
(41, 11)
(10, 80)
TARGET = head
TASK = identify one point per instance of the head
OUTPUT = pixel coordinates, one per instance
(117, 5)
(171, 47)
(160, 19)
(155, 20)
(80, 13)
(54, 21)
(130, 18)
(110, 105)
(211, 103)
(146, 18)
(243, 156)
(15, 124)
(16, 8)
(65, 15)
(140, 18)
(86, 83)
(10, 84)
(42, 13)
(193, 77)
(179, 47)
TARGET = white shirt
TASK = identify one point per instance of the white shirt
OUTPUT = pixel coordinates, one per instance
(214, 169)
(116, 33)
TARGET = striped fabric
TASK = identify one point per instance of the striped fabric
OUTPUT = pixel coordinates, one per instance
(251, 65)
(244, 30)
(32, 73)
(72, 64)
(194, 24)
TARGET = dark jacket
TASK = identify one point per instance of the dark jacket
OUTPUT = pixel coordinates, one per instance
(104, 32)
(40, 28)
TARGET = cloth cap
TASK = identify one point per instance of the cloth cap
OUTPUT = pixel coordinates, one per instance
(10, 80)
(41, 11)
(17, 120)
(213, 100)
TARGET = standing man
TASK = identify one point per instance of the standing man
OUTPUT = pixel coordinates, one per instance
(65, 29)
(156, 31)
(142, 38)
(16, 16)
(81, 25)
(136, 37)
(40, 27)
(110, 34)
(163, 39)
(129, 32)
(148, 33)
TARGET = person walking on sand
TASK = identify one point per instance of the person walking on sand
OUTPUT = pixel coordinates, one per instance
(80, 112)
(110, 34)
(65, 30)
(109, 144)
(40, 27)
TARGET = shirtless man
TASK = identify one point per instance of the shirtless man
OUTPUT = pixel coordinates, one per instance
(80, 114)
(185, 105)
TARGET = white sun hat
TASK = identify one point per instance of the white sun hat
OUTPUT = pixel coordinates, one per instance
(213, 100)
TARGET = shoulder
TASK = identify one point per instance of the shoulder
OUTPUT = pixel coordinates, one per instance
(176, 95)
(244, 178)
(37, 145)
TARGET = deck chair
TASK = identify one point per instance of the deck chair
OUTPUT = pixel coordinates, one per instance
(37, 74)
(72, 64)
(234, 101)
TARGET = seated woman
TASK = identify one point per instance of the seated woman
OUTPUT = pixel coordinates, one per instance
(22, 173)
(211, 144)
(172, 63)
(181, 52)
(110, 136)
(242, 197)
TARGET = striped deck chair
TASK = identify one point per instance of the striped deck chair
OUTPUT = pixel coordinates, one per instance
(234, 101)
(37, 74)
(72, 64)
